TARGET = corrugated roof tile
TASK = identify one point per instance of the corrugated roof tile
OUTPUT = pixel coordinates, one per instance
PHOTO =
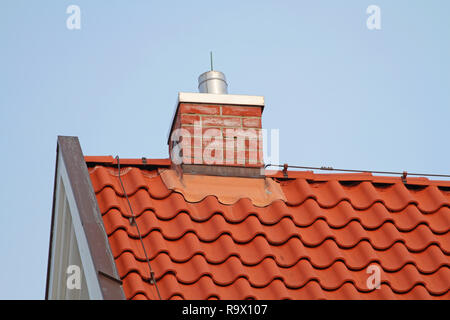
(316, 243)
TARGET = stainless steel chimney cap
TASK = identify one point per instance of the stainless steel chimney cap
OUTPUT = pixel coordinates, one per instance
(212, 82)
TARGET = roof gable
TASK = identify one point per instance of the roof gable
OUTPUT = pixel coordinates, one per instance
(77, 234)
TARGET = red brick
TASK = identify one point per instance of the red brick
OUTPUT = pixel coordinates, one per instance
(251, 122)
(201, 159)
(241, 111)
(248, 144)
(193, 132)
(197, 155)
(221, 121)
(189, 118)
(190, 160)
(177, 123)
(198, 142)
(209, 142)
(199, 152)
(199, 109)
(249, 133)
(209, 156)
(224, 162)
(239, 155)
(255, 154)
(206, 139)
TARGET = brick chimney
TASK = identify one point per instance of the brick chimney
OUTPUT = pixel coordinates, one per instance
(217, 133)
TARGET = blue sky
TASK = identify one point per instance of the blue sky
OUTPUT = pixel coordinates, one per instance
(341, 95)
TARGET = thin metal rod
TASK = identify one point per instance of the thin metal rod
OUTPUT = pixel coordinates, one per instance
(151, 275)
(364, 171)
(211, 59)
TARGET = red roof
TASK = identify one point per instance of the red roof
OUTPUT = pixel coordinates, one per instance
(316, 243)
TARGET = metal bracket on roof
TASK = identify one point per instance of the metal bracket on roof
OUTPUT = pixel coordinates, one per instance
(285, 167)
(132, 221)
(405, 173)
(152, 276)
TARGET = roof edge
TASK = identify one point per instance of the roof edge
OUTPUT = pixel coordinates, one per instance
(69, 149)
(109, 160)
(360, 176)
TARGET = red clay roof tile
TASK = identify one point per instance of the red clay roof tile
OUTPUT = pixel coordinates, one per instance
(315, 245)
